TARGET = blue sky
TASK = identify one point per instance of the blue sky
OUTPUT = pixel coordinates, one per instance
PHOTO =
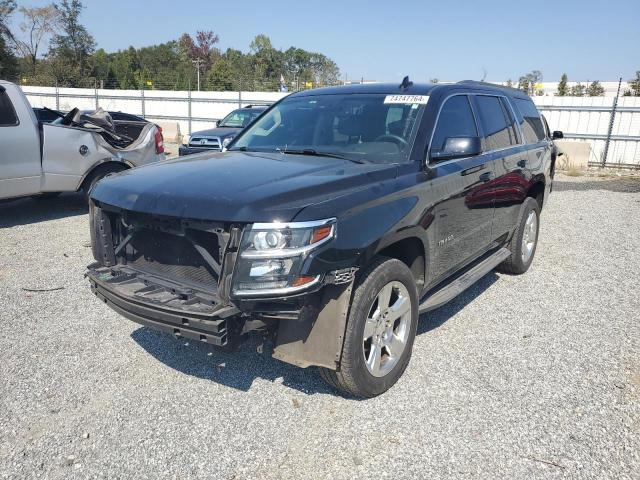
(449, 40)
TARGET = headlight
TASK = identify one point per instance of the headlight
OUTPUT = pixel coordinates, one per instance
(185, 139)
(271, 257)
(227, 141)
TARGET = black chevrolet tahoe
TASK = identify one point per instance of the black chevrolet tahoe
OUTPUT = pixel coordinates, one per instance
(330, 224)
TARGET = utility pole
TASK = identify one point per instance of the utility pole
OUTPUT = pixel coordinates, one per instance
(197, 62)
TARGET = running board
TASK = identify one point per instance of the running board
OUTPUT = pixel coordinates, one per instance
(464, 281)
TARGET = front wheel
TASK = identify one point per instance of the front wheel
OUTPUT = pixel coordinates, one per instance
(380, 330)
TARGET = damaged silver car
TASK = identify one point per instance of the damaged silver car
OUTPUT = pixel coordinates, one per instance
(70, 154)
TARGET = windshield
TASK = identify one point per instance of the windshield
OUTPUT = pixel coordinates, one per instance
(239, 118)
(366, 127)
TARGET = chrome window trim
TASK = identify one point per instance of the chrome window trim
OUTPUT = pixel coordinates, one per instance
(484, 152)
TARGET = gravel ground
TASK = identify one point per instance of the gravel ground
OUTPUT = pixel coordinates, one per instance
(536, 376)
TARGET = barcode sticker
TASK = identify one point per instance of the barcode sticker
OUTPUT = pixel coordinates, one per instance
(417, 99)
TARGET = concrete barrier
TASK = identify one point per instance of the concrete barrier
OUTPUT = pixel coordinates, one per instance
(170, 131)
(576, 155)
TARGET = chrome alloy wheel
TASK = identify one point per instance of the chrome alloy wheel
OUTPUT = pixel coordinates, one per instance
(529, 236)
(386, 329)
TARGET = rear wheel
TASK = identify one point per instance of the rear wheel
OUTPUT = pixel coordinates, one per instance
(380, 330)
(524, 240)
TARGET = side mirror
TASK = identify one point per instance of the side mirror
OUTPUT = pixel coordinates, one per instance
(457, 147)
(218, 123)
(557, 135)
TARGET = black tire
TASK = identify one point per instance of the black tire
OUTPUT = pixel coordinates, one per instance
(95, 177)
(516, 264)
(353, 376)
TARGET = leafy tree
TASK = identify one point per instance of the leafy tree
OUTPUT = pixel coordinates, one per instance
(635, 85)
(8, 61)
(509, 83)
(7, 7)
(200, 51)
(527, 83)
(595, 89)
(563, 88)
(577, 90)
(71, 50)
(37, 26)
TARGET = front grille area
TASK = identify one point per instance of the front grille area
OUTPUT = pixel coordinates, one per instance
(205, 142)
(172, 256)
(183, 251)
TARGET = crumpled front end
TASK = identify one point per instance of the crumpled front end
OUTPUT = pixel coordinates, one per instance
(175, 275)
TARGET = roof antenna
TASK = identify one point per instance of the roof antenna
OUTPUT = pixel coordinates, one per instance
(406, 83)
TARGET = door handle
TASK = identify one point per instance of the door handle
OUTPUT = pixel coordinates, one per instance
(522, 163)
(486, 176)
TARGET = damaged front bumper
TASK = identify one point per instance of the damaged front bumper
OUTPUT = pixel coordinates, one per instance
(165, 306)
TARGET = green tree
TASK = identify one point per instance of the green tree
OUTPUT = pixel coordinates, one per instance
(635, 85)
(70, 52)
(577, 90)
(8, 61)
(563, 88)
(527, 83)
(595, 89)
(37, 26)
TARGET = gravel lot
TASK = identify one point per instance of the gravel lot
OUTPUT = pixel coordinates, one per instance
(536, 376)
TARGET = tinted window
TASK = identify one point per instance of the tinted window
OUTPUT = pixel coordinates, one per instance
(7, 113)
(532, 126)
(497, 124)
(455, 120)
(239, 118)
(125, 117)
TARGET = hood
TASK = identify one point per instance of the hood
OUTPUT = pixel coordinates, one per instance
(221, 132)
(237, 186)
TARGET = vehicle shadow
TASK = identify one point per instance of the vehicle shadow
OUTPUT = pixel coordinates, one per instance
(241, 368)
(25, 211)
(435, 318)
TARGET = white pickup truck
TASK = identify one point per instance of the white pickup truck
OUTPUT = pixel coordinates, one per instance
(71, 154)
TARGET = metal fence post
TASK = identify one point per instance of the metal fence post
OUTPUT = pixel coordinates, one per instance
(142, 99)
(57, 97)
(240, 99)
(605, 152)
(189, 108)
(95, 89)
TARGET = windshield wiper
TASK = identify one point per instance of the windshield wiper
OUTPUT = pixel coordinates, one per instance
(315, 153)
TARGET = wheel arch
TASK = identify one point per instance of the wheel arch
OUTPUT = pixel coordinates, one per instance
(410, 250)
(109, 166)
(537, 191)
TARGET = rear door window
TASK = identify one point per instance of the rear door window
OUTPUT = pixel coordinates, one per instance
(497, 124)
(455, 120)
(8, 117)
(531, 125)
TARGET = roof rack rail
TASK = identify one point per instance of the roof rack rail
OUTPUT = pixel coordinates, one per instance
(487, 84)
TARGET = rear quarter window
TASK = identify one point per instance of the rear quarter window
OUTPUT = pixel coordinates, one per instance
(531, 125)
(8, 117)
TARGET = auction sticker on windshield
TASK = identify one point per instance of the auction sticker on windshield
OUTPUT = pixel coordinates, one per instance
(419, 99)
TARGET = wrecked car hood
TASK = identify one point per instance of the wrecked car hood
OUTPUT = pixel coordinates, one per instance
(237, 186)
